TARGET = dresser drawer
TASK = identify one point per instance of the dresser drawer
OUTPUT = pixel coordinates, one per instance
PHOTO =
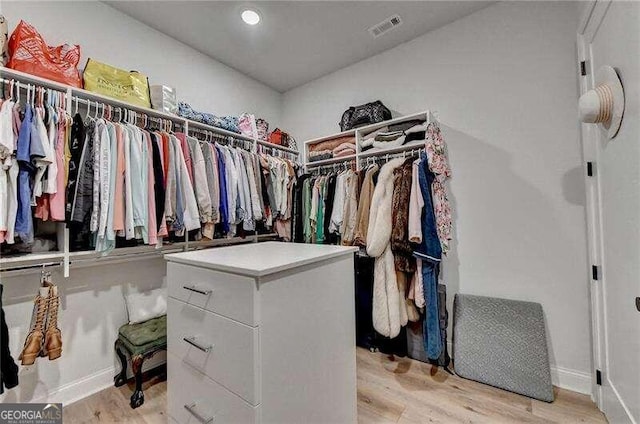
(193, 398)
(226, 294)
(224, 350)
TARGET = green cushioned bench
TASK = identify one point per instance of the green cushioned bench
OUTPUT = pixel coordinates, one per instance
(141, 341)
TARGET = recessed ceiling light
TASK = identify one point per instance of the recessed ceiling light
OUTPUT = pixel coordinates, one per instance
(250, 17)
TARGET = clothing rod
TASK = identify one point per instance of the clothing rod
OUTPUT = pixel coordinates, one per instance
(275, 149)
(334, 161)
(29, 268)
(25, 85)
(150, 116)
(387, 156)
(216, 130)
(276, 146)
(276, 152)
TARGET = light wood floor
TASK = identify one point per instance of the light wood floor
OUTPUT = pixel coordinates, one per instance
(401, 391)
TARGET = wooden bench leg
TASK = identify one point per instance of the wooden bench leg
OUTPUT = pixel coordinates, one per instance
(137, 398)
(120, 378)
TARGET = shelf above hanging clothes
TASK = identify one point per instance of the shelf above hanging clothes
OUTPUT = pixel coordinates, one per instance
(28, 262)
(359, 133)
(24, 78)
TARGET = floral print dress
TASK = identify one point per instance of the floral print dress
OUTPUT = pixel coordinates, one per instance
(438, 164)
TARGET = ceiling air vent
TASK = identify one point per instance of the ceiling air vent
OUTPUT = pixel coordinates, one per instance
(384, 26)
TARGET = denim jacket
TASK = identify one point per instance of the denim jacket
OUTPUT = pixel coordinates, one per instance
(429, 249)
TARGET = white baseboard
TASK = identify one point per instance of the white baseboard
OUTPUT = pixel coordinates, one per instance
(576, 381)
(80, 389)
(617, 410)
(561, 377)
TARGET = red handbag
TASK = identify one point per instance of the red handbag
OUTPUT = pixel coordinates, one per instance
(278, 137)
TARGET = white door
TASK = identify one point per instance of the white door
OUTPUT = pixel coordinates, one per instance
(610, 35)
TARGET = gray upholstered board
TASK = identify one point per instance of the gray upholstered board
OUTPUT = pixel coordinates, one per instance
(502, 343)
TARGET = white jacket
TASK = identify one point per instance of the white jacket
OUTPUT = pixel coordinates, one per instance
(386, 296)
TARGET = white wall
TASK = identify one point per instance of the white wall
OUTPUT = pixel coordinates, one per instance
(504, 83)
(92, 309)
(92, 304)
(112, 37)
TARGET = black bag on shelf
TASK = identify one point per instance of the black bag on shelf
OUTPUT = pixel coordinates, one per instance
(358, 116)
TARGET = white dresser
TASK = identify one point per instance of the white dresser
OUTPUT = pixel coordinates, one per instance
(262, 333)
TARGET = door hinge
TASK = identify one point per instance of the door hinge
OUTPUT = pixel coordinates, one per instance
(598, 377)
(583, 68)
(590, 169)
(594, 272)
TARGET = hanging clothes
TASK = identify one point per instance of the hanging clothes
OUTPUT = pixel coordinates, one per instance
(401, 216)
(364, 205)
(386, 297)
(119, 184)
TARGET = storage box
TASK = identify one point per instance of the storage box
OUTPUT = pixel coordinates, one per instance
(164, 98)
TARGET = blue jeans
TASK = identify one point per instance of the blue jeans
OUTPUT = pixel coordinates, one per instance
(431, 324)
(430, 251)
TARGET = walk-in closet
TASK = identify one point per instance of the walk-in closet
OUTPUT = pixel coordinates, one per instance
(319, 212)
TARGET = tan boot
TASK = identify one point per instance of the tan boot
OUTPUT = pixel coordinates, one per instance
(52, 335)
(33, 343)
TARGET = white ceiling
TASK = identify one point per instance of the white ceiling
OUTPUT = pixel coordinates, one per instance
(296, 41)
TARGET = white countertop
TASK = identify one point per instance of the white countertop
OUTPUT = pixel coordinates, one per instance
(260, 259)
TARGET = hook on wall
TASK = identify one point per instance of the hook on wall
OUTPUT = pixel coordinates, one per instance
(604, 105)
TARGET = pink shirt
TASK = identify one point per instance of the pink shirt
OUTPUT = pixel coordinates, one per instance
(151, 210)
(416, 292)
(57, 199)
(118, 202)
(186, 154)
(164, 160)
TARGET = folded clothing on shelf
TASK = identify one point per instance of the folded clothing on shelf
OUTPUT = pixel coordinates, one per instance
(384, 138)
(381, 147)
(344, 153)
(229, 123)
(320, 155)
(367, 141)
(388, 135)
(403, 126)
(345, 149)
(332, 144)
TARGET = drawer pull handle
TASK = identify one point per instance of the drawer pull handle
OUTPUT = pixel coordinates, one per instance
(192, 342)
(192, 411)
(197, 290)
